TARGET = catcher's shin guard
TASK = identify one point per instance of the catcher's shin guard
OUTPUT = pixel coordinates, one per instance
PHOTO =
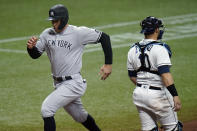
(155, 129)
(179, 127)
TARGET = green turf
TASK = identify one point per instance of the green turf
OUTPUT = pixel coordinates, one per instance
(24, 83)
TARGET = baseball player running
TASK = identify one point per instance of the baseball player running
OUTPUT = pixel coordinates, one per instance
(155, 95)
(64, 45)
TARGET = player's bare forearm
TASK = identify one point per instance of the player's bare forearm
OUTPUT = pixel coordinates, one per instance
(167, 79)
(134, 80)
(169, 83)
(105, 71)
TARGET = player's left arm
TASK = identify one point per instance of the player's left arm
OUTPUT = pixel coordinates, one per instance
(133, 76)
(169, 84)
(106, 69)
(163, 64)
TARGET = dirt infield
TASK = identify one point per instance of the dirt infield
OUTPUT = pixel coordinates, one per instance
(190, 126)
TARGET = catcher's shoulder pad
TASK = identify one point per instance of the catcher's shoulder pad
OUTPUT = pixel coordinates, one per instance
(168, 49)
(133, 45)
(166, 46)
(136, 45)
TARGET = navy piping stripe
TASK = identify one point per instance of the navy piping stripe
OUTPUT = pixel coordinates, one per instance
(171, 106)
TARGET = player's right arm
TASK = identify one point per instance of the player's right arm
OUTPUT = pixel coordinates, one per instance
(35, 46)
(32, 49)
(131, 72)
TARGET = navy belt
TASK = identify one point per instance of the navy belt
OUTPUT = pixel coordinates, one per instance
(151, 87)
(60, 79)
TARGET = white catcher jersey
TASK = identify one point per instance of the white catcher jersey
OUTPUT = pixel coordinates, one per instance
(65, 49)
(158, 56)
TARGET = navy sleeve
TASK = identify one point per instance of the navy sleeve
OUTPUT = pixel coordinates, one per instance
(106, 45)
(34, 53)
(163, 69)
(132, 73)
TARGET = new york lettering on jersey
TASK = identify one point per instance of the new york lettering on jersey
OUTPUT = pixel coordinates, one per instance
(60, 43)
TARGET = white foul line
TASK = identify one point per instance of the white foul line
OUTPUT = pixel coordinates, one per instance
(129, 44)
(113, 25)
(173, 20)
(13, 51)
(98, 49)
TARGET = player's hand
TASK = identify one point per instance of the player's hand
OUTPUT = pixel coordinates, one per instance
(105, 71)
(177, 103)
(32, 42)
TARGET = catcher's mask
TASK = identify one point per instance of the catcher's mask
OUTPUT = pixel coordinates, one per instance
(150, 24)
(59, 12)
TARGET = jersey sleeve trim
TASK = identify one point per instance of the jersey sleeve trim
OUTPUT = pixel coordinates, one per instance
(132, 73)
(163, 69)
(100, 34)
(161, 64)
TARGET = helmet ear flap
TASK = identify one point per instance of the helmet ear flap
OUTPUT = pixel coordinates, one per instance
(63, 22)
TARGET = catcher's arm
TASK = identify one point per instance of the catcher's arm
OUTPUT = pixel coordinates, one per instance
(133, 76)
(169, 83)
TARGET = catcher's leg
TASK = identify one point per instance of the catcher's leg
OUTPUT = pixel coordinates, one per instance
(155, 129)
(148, 119)
(179, 127)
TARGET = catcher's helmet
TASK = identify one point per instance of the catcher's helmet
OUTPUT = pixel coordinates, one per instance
(59, 12)
(149, 24)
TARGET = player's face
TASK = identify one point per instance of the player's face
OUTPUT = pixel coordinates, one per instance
(55, 24)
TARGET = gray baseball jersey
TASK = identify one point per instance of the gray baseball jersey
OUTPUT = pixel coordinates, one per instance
(65, 49)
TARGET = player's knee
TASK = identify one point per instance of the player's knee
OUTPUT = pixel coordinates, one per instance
(80, 117)
(47, 112)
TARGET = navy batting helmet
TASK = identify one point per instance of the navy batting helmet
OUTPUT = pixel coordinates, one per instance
(149, 24)
(59, 12)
